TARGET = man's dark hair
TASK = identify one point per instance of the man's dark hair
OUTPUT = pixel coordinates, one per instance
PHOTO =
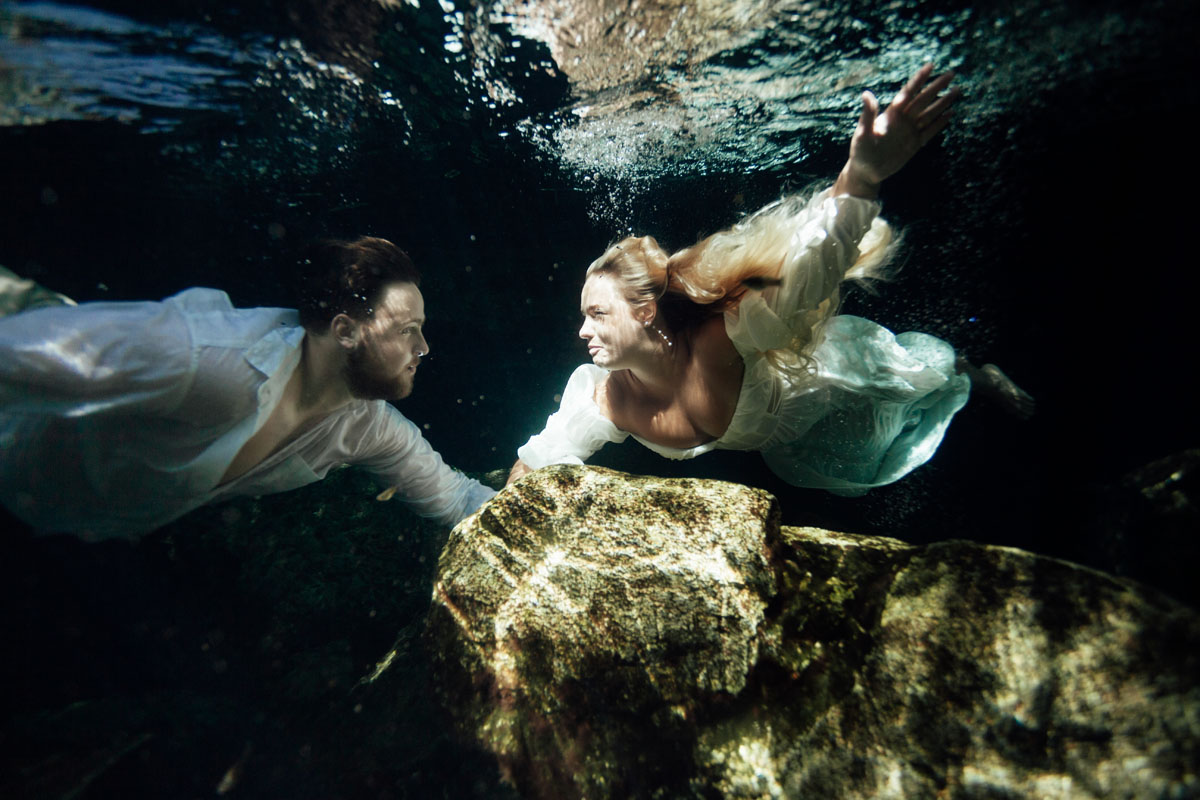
(348, 277)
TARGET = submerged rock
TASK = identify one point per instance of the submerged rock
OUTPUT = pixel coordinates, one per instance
(1146, 526)
(605, 635)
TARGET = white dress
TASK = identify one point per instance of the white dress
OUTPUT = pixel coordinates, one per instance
(868, 408)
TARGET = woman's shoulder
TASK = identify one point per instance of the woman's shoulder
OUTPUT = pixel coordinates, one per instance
(612, 396)
(710, 344)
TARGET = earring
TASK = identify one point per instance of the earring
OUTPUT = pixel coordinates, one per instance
(659, 331)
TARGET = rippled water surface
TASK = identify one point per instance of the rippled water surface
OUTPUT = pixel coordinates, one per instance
(621, 92)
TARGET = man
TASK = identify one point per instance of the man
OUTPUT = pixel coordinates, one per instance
(116, 418)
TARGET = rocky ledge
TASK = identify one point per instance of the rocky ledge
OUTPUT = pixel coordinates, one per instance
(605, 635)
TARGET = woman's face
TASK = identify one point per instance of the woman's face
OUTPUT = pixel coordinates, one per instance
(612, 327)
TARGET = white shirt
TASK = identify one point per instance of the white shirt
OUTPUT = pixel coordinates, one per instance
(116, 418)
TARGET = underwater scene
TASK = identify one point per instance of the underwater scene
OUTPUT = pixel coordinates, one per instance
(1013, 615)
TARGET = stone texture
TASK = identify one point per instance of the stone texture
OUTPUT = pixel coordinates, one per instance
(611, 636)
(603, 44)
(627, 604)
(1146, 526)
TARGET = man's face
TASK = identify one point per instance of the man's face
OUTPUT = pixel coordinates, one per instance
(383, 365)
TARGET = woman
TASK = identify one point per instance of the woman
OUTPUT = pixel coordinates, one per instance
(734, 343)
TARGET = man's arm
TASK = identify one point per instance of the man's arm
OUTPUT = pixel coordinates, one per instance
(395, 450)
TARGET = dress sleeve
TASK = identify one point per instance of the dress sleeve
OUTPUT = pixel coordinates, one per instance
(826, 237)
(94, 358)
(577, 429)
(394, 449)
(828, 240)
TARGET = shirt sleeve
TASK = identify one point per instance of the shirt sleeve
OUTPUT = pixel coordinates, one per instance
(395, 450)
(577, 429)
(94, 358)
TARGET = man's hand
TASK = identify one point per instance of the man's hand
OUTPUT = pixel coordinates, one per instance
(883, 143)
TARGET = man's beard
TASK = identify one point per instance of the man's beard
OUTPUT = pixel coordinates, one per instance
(367, 382)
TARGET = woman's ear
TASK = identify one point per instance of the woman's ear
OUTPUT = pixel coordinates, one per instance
(646, 312)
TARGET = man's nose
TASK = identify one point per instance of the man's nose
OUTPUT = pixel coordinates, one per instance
(423, 346)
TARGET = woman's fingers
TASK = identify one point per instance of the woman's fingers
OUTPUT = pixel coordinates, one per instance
(869, 112)
(924, 102)
(931, 92)
(937, 108)
(913, 87)
(934, 127)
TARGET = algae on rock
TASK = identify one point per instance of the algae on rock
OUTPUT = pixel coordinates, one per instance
(626, 610)
(605, 635)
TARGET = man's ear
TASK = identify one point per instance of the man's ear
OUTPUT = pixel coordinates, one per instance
(345, 331)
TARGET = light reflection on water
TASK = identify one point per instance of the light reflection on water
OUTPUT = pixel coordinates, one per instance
(681, 86)
(613, 100)
(612, 103)
(69, 63)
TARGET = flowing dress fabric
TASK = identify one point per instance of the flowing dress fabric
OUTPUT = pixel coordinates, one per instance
(837, 403)
(876, 408)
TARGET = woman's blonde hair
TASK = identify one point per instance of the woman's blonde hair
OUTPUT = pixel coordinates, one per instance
(713, 275)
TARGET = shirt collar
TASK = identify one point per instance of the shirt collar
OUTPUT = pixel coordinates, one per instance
(278, 346)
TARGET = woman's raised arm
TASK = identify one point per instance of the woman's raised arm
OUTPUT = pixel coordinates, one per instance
(883, 143)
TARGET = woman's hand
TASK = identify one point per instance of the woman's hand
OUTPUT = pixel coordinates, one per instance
(883, 143)
(519, 470)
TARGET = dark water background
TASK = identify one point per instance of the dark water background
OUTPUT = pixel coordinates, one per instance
(149, 150)
(146, 148)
